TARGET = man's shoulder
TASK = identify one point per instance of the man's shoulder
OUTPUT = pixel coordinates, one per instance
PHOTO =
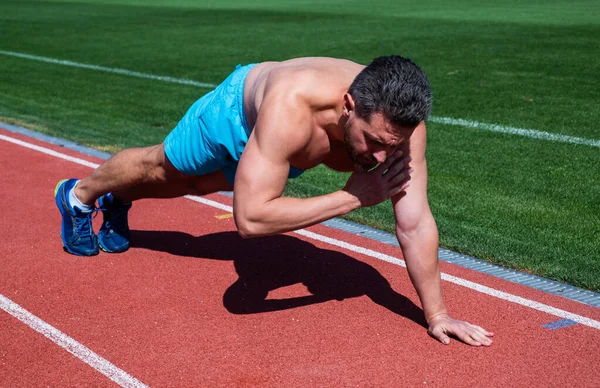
(315, 80)
(316, 61)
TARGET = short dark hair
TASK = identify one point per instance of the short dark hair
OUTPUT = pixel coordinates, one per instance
(394, 86)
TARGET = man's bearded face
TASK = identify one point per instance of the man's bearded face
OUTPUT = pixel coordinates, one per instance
(363, 161)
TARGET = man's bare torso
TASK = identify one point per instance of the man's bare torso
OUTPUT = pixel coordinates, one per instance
(322, 82)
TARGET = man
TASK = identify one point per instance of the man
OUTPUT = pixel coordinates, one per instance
(287, 117)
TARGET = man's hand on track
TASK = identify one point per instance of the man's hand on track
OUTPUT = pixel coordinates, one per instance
(442, 327)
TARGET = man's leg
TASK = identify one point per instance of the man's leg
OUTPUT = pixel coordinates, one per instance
(129, 175)
(153, 176)
(171, 183)
(138, 173)
(126, 171)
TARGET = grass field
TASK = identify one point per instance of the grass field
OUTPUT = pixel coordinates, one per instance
(525, 203)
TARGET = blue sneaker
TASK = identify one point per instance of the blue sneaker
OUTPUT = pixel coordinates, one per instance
(77, 233)
(114, 235)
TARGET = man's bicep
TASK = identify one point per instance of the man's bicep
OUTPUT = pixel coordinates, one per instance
(411, 206)
(260, 176)
(280, 133)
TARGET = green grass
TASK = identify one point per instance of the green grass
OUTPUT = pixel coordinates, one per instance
(524, 203)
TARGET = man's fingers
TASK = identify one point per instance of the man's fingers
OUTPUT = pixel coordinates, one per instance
(397, 165)
(397, 190)
(395, 181)
(401, 176)
(472, 335)
(440, 336)
(480, 337)
(482, 330)
(399, 183)
(443, 338)
(466, 338)
(389, 160)
(462, 335)
(469, 334)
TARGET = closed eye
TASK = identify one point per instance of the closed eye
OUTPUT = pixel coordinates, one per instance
(377, 143)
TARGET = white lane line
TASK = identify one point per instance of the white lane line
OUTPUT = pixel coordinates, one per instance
(49, 151)
(534, 134)
(114, 70)
(208, 202)
(522, 301)
(100, 364)
(531, 133)
(364, 251)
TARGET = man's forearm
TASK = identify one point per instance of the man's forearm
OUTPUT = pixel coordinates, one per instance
(420, 249)
(285, 214)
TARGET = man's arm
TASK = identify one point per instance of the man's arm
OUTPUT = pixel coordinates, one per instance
(283, 130)
(417, 234)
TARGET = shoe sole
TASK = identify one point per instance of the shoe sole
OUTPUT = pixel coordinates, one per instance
(60, 208)
(106, 250)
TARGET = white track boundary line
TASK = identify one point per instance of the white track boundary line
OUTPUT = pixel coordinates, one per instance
(48, 151)
(360, 250)
(100, 364)
(113, 70)
(531, 133)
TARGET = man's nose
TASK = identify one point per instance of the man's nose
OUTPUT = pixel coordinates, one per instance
(380, 156)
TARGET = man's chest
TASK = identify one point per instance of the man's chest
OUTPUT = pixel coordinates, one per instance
(334, 157)
(322, 150)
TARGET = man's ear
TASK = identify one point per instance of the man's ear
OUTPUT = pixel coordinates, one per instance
(348, 104)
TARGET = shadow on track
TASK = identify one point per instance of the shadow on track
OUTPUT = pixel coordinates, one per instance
(268, 263)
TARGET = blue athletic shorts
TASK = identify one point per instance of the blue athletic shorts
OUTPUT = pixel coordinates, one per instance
(212, 134)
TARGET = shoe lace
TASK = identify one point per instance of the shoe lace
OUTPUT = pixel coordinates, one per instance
(83, 223)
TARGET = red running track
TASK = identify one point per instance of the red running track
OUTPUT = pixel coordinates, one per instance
(192, 304)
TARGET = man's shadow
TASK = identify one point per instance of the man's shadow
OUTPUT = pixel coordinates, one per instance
(268, 263)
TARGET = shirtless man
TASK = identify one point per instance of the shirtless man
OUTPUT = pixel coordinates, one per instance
(287, 117)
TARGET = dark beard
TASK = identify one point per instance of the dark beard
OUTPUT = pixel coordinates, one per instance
(358, 161)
